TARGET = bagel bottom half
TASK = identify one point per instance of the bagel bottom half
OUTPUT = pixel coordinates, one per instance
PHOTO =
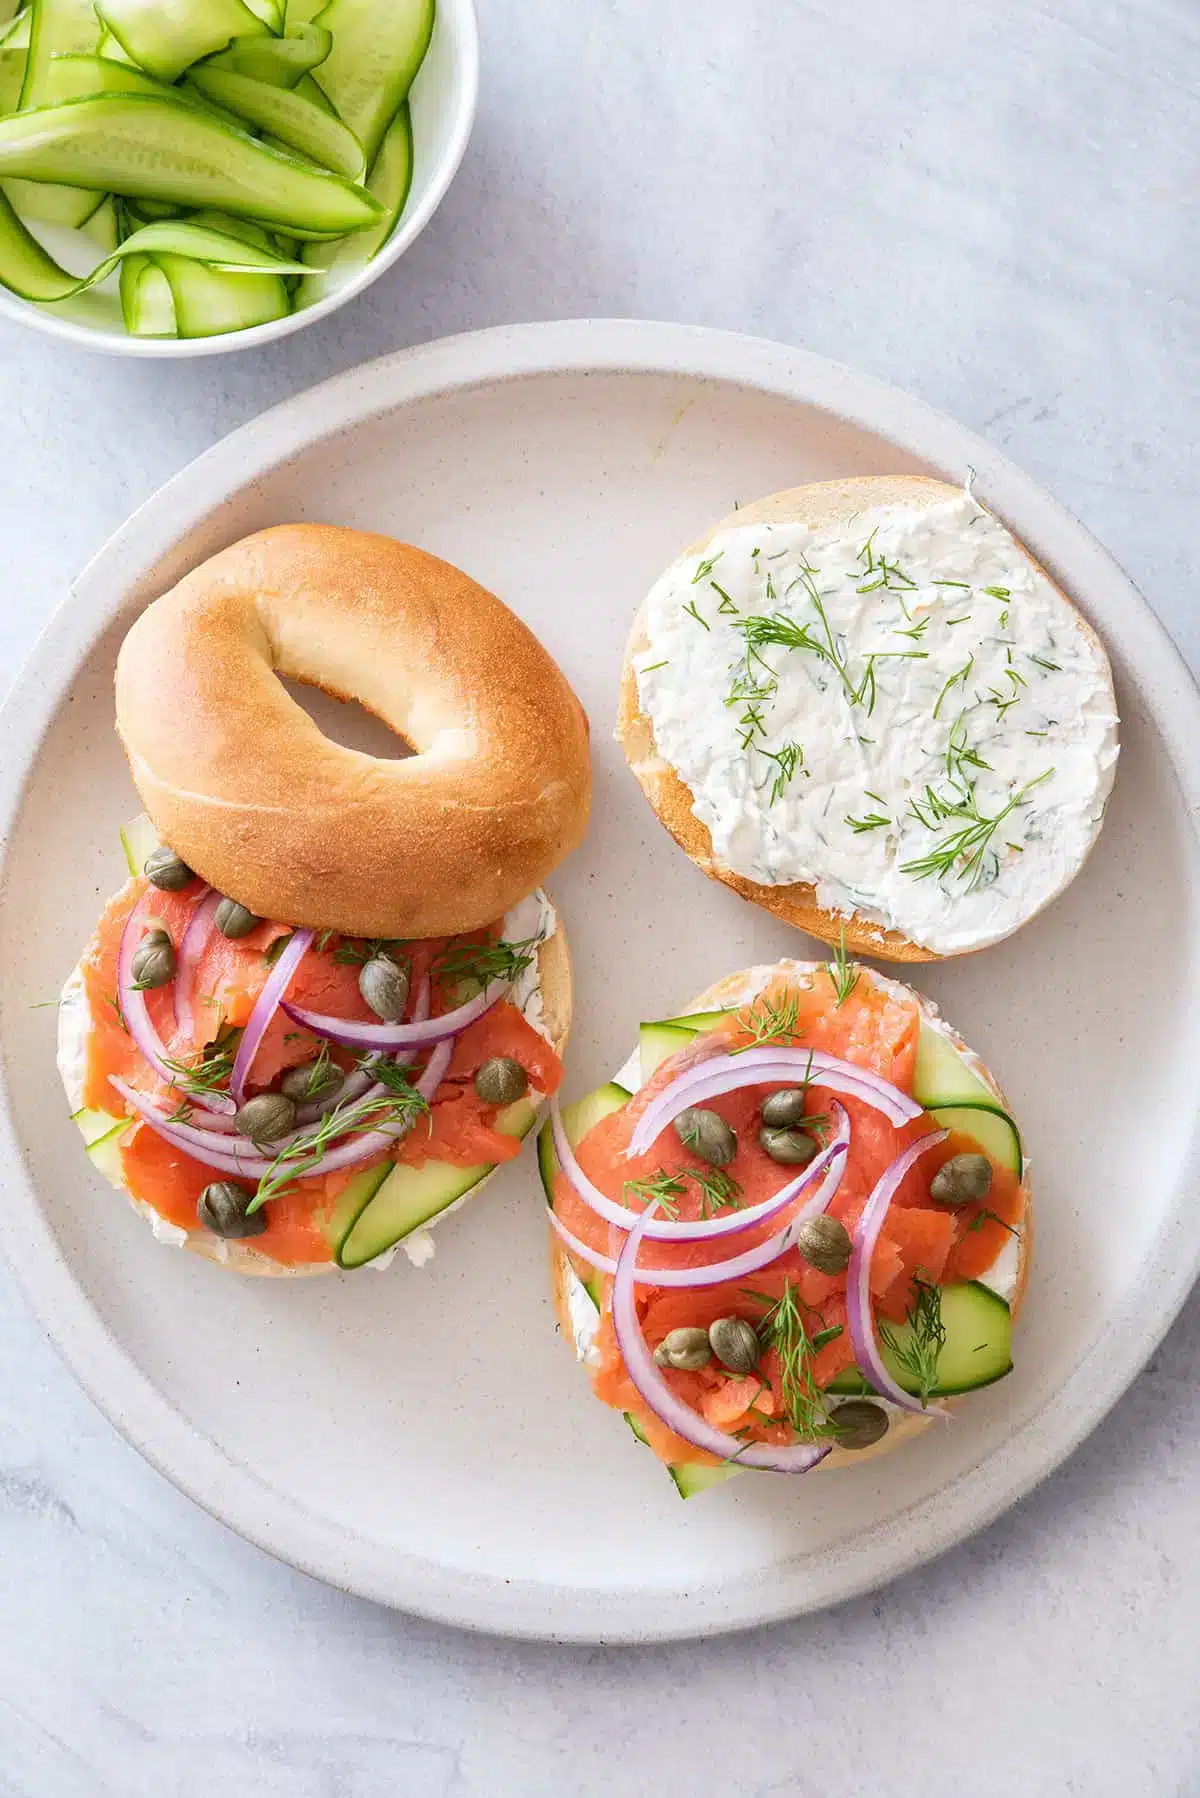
(740, 989)
(554, 986)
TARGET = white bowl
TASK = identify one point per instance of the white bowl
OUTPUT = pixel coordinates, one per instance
(443, 100)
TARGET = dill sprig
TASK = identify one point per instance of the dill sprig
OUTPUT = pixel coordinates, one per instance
(717, 1190)
(305, 1155)
(212, 1067)
(783, 1329)
(918, 1352)
(770, 1020)
(318, 1071)
(984, 1216)
(960, 674)
(964, 850)
(706, 567)
(478, 964)
(697, 615)
(787, 759)
(869, 821)
(842, 972)
(355, 952)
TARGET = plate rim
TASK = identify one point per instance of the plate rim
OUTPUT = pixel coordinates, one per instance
(198, 1465)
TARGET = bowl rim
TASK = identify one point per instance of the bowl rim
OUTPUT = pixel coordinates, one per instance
(461, 19)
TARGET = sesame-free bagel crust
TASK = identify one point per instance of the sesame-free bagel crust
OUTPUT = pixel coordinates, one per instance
(241, 782)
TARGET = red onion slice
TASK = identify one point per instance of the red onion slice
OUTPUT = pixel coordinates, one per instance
(137, 1017)
(389, 1037)
(760, 1067)
(658, 1394)
(192, 945)
(858, 1279)
(702, 1230)
(752, 1261)
(359, 1084)
(265, 1007)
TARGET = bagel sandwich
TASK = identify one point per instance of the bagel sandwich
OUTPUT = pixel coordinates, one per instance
(319, 1030)
(890, 1250)
(864, 705)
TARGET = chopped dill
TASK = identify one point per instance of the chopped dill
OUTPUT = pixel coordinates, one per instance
(479, 964)
(869, 821)
(1044, 662)
(964, 849)
(211, 1070)
(649, 669)
(783, 1329)
(771, 1020)
(984, 1216)
(691, 607)
(397, 1113)
(960, 674)
(355, 952)
(787, 759)
(706, 567)
(727, 605)
(998, 593)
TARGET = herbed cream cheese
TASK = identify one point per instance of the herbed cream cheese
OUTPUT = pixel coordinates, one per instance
(905, 713)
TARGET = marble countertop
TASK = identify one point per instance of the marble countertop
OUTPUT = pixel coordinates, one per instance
(995, 206)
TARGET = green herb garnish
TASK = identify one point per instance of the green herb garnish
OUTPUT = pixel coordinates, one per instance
(966, 847)
(842, 972)
(918, 1353)
(479, 964)
(397, 1113)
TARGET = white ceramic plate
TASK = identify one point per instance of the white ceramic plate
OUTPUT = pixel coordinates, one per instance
(424, 1438)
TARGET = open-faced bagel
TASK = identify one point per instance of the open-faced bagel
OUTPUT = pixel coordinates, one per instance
(735, 991)
(825, 504)
(241, 1257)
(242, 784)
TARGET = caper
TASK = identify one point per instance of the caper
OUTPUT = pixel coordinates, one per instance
(384, 986)
(154, 962)
(222, 1209)
(167, 870)
(312, 1080)
(794, 1148)
(266, 1118)
(963, 1180)
(735, 1344)
(233, 920)
(684, 1349)
(825, 1244)
(501, 1081)
(859, 1423)
(784, 1110)
(707, 1135)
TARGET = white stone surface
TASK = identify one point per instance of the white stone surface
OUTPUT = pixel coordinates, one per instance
(994, 205)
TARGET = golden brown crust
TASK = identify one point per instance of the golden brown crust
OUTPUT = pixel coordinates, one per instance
(555, 981)
(243, 785)
(821, 503)
(735, 989)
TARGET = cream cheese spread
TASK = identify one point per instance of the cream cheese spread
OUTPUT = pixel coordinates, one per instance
(906, 713)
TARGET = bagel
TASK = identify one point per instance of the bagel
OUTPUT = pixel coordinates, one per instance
(847, 870)
(735, 992)
(242, 784)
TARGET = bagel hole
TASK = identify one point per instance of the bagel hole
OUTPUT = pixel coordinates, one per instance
(347, 722)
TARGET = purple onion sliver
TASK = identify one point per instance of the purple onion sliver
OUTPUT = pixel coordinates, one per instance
(702, 1230)
(718, 1074)
(737, 1267)
(265, 1007)
(858, 1279)
(660, 1396)
(137, 1017)
(390, 1037)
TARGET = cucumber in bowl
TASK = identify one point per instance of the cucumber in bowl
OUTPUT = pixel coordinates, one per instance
(299, 125)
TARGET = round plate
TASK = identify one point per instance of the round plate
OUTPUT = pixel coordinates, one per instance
(424, 1438)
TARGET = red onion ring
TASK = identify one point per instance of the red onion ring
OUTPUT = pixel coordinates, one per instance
(359, 1084)
(661, 1398)
(137, 1017)
(265, 1007)
(719, 1074)
(398, 1036)
(660, 1229)
(192, 945)
(858, 1279)
(752, 1261)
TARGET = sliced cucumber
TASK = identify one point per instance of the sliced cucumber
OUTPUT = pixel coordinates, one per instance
(689, 1477)
(695, 1021)
(657, 1042)
(977, 1350)
(208, 302)
(291, 119)
(411, 1196)
(993, 1129)
(102, 1137)
(283, 61)
(943, 1076)
(165, 36)
(390, 183)
(138, 839)
(147, 305)
(354, 1201)
(577, 1121)
(378, 46)
(12, 75)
